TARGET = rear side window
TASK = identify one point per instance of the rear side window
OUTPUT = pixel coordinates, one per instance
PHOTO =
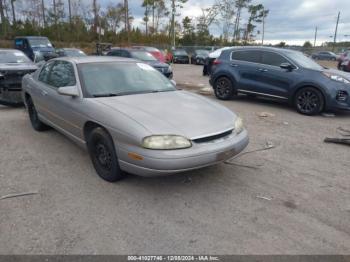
(62, 74)
(273, 59)
(252, 56)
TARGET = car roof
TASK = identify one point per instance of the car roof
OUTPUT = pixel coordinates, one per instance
(10, 49)
(94, 59)
(32, 37)
(261, 48)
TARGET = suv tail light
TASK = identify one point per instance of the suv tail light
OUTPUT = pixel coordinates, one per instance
(217, 62)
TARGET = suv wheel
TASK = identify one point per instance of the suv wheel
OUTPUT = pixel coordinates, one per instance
(309, 101)
(34, 118)
(103, 155)
(223, 88)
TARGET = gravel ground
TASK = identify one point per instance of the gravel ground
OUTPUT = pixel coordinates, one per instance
(291, 199)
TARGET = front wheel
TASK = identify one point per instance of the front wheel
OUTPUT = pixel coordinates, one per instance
(309, 101)
(223, 88)
(103, 155)
(34, 118)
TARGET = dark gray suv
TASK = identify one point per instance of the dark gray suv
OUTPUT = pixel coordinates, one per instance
(281, 74)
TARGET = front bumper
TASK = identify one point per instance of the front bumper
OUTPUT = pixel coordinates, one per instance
(11, 94)
(165, 162)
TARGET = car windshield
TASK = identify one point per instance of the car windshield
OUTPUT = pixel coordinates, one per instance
(180, 52)
(13, 57)
(39, 42)
(303, 61)
(115, 78)
(74, 53)
(144, 56)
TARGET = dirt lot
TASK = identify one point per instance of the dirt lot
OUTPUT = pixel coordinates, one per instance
(291, 199)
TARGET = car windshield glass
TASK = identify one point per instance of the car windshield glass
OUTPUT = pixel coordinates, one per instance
(75, 53)
(303, 61)
(13, 57)
(144, 56)
(113, 79)
(180, 52)
(39, 42)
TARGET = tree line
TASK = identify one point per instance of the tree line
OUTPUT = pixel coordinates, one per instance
(80, 21)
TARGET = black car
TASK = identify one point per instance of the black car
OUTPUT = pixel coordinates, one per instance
(180, 56)
(145, 57)
(14, 64)
(69, 52)
(282, 74)
(199, 56)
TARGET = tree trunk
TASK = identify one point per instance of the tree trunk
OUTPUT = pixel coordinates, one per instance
(13, 12)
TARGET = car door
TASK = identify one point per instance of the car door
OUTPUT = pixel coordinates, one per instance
(40, 90)
(63, 110)
(274, 80)
(245, 67)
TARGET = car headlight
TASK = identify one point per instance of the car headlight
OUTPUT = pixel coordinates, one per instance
(239, 127)
(336, 77)
(166, 142)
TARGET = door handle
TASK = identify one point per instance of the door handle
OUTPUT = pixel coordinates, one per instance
(262, 70)
(43, 92)
(233, 65)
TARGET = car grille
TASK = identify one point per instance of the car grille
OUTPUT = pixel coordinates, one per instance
(212, 138)
(161, 69)
(13, 79)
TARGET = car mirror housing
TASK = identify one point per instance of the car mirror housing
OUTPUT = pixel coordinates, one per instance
(68, 91)
(287, 66)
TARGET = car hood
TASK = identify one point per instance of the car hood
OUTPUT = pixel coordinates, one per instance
(43, 49)
(156, 64)
(338, 72)
(17, 66)
(175, 112)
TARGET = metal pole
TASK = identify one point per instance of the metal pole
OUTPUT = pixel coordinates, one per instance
(315, 36)
(263, 29)
(173, 23)
(336, 31)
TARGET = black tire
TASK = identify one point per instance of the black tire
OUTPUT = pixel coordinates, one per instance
(309, 101)
(34, 118)
(103, 155)
(223, 88)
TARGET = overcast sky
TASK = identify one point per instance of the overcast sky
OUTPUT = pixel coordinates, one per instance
(293, 21)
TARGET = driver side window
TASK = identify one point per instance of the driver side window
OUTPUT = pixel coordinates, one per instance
(62, 74)
(44, 73)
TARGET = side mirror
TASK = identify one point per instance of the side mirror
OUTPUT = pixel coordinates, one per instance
(68, 91)
(287, 66)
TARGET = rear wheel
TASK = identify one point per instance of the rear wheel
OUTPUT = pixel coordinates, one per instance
(103, 155)
(309, 101)
(34, 118)
(223, 88)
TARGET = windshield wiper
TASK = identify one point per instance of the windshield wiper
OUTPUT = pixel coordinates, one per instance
(105, 95)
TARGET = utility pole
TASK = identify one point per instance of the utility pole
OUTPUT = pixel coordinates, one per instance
(70, 12)
(173, 23)
(315, 36)
(43, 12)
(336, 31)
(127, 26)
(263, 28)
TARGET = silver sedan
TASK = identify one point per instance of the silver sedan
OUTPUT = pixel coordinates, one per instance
(130, 117)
